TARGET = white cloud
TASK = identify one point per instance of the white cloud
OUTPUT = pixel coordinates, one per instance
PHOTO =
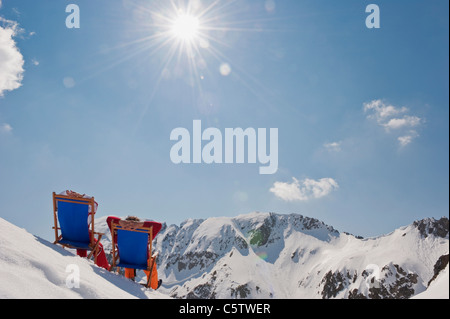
(408, 138)
(394, 118)
(406, 121)
(5, 128)
(333, 147)
(11, 60)
(405, 140)
(381, 111)
(304, 190)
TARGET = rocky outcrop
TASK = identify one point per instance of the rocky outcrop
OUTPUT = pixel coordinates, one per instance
(439, 266)
(393, 282)
(430, 226)
(336, 282)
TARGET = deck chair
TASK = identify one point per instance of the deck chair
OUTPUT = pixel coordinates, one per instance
(73, 215)
(131, 248)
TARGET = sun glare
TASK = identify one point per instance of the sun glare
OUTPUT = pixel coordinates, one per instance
(190, 41)
(186, 27)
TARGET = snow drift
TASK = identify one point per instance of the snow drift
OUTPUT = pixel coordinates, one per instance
(32, 268)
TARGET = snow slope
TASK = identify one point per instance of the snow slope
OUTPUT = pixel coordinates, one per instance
(438, 289)
(32, 268)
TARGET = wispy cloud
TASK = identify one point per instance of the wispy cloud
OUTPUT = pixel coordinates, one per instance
(304, 190)
(5, 128)
(395, 120)
(333, 147)
(407, 139)
(11, 60)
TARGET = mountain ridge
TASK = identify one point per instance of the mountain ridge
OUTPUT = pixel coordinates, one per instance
(269, 255)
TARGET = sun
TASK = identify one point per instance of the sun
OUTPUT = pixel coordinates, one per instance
(192, 42)
(186, 27)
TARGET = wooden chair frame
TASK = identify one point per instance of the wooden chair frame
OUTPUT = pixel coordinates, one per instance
(115, 254)
(87, 201)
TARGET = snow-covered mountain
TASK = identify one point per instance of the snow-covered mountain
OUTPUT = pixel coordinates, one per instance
(267, 255)
(259, 255)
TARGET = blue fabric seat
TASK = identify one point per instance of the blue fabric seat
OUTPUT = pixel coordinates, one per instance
(73, 221)
(133, 249)
(74, 217)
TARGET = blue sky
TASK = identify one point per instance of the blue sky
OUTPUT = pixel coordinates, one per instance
(362, 113)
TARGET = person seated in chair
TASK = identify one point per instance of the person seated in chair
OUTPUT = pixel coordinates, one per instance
(133, 223)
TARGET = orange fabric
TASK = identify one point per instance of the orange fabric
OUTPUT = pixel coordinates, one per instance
(129, 273)
(154, 279)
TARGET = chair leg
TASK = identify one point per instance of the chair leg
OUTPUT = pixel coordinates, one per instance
(150, 274)
(57, 239)
(94, 250)
(96, 254)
